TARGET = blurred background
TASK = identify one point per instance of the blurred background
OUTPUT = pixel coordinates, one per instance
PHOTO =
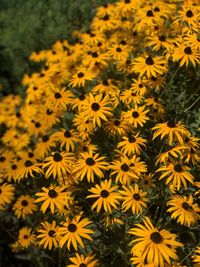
(34, 25)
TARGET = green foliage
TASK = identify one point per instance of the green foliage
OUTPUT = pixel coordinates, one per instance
(31, 25)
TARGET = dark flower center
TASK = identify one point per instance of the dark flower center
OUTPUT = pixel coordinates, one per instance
(104, 193)
(128, 62)
(124, 167)
(118, 49)
(136, 197)
(90, 161)
(85, 148)
(141, 85)
(185, 206)
(153, 78)
(72, 227)
(116, 122)
(81, 97)
(13, 167)
(52, 193)
(156, 238)
(189, 14)
(95, 106)
(2, 159)
(149, 61)
(49, 112)
(106, 17)
(156, 9)
(35, 88)
(127, 1)
(94, 54)
(25, 236)
(67, 134)
(30, 154)
(80, 75)
(18, 114)
(162, 38)
(28, 163)
(188, 50)
(131, 139)
(82, 265)
(99, 44)
(45, 138)
(57, 157)
(57, 95)
(171, 123)
(37, 125)
(146, 182)
(135, 114)
(178, 168)
(123, 42)
(149, 13)
(51, 233)
(24, 203)
(105, 82)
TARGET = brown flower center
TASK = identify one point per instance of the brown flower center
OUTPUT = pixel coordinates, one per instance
(67, 134)
(162, 38)
(188, 50)
(156, 238)
(28, 163)
(57, 157)
(90, 161)
(136, 197)
(189, 14)
(95, 106)
(135, 114)
(72, 227)
(51, 233)
(13, 167)
(149, 13)
(178, 168)
(116, 122)
(104, 193)
(24, 203)
(52, 193)
(45, 138)
(57, 95)
(131, 139)
(80, 75)
(185, 206)
(149, 61)
(171, 123)
(82, 265)
(124, 167)
(118, 49)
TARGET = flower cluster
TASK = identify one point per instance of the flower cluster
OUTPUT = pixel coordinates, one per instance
(91, 161)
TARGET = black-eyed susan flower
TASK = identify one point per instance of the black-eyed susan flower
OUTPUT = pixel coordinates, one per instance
(137, 116)
(176, 174)
(89, 165)
(83, 261)
(52, 197)
(152, 245)
(132, 144)
(26, 237)
(82, 75)
(134, 199)
(24, 206)
(47, 235)
(147, 182)
(174, 131)
(184, 210)
(66, 139)
(58, 164)
(107, 197)
(151, 66)
(58, 99)
(28, 168)
(6, 193)
(186, 54)
(97, 109)
(72, 232)
(116, 126)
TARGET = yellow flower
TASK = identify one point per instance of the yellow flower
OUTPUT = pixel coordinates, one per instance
(152, 245)
(72, 232)
(89, 165)
(136, 116)
(54, 196)
(6, 193)
(24, 206)
(26, 237)
(107, 196)
(83, 261)
(183, 210)
(134, 199)
(48, 235)
(79, 79)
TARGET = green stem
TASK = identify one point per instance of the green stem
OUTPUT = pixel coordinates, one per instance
(194, 103)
